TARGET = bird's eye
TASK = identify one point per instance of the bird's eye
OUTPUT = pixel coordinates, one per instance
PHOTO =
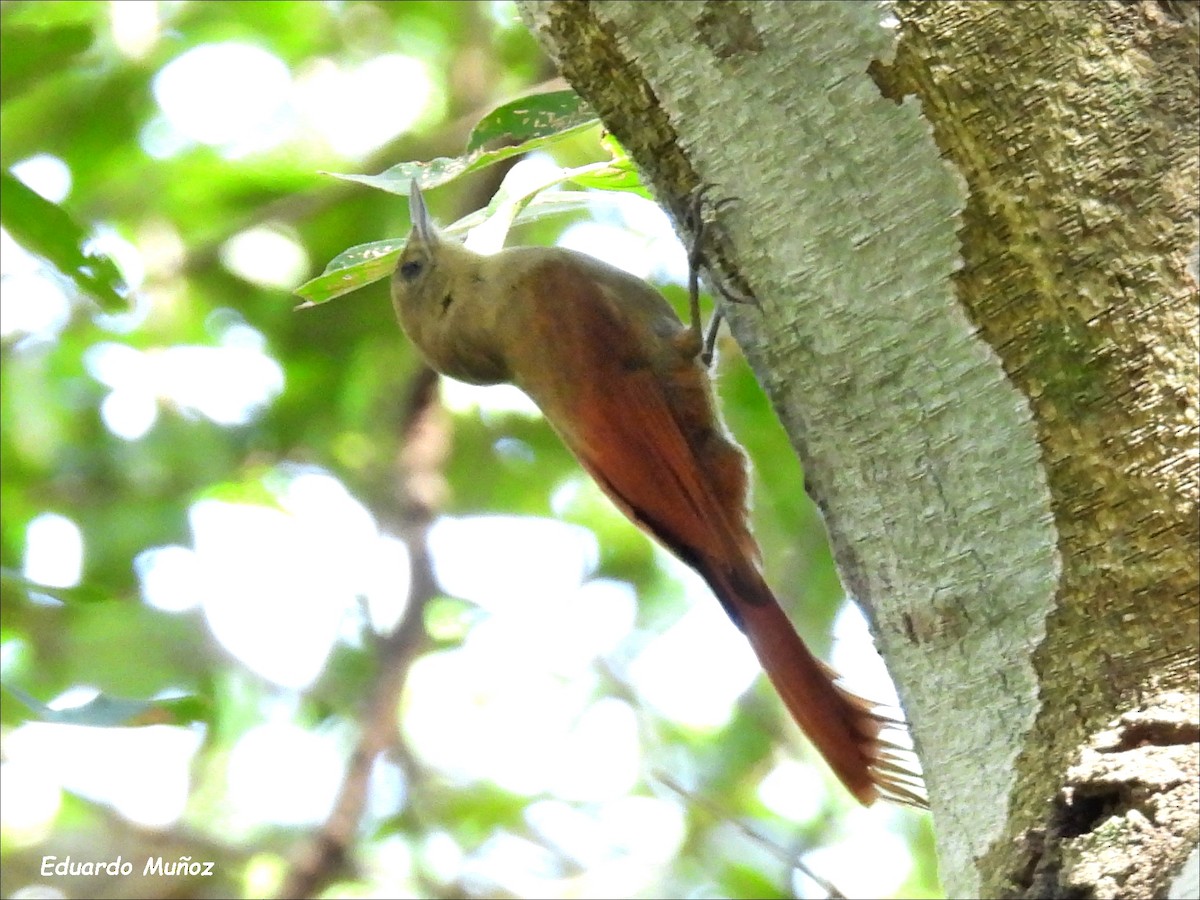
(411, 269)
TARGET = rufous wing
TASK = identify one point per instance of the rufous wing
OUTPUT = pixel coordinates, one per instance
(606, 396)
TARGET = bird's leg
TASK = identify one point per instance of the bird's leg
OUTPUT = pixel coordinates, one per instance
(702, 342)
(710, 338)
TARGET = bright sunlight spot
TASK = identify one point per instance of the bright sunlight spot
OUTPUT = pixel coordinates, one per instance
(441, 856)
(267, 257)
(644, 826)
(504, 13)
(620, 842)
(268, 766)
(385, 575)
(170, 578)
(48, 175)
(135, 26)
(854, 652)
(459, 701)
(142, 772)
(278, 583)
(388, 863)
(503, 561)
(228, 384)
(53, 551)
(633, 234)
(229, 95)
(793, 791)
(601, 755)
(522, 682)
(490, 401)
(344, 103)
(694, 671)
(508, 865)
(29, 802)
(562, 633)
(866, 836)
(36, 303)
(267, 598)
(243, 99)
(611, 244)
(275, 581)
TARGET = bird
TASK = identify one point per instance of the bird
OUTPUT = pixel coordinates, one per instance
(624, 383)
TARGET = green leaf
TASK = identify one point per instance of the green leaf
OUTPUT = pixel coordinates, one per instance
(532, 117)
(741, 880)
(535, 120)
(350, 270)
(51, 13)
(532, 121)
(46, 229)
(472, 817)
(32, 54)
(105, 711)
(619, 175)
(448, 619)
(366, 263)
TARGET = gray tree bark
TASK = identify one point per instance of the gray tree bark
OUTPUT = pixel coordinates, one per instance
(972, 231)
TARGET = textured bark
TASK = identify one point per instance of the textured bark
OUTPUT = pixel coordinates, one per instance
(973, 238)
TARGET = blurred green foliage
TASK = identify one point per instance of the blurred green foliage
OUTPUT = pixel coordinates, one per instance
(79, 85)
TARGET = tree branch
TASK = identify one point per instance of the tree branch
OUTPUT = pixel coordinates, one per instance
(420, 457)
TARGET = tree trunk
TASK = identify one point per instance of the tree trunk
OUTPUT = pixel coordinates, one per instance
(971, 228)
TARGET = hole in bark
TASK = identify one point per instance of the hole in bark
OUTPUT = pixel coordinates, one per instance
(1081, 814)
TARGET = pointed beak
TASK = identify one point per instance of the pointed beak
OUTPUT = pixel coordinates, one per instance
(421, 223)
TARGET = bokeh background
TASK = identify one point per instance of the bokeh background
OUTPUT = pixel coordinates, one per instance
(216, 511)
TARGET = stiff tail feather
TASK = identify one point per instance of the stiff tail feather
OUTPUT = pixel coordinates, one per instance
(847, 729)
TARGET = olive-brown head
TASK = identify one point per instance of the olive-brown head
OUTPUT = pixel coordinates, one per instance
(444, 303)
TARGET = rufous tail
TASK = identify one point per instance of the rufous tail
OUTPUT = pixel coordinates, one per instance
(844, 727)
